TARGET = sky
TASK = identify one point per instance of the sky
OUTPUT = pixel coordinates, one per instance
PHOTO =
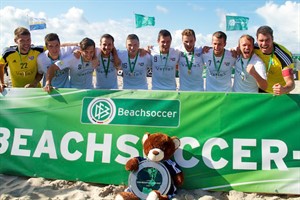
(74, 20)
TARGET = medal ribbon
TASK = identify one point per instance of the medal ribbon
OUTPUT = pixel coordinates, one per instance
(270, 61)
(218, 68)
(105, 67)
(166, 59)
(189, 64)
(132, 67)
(242, 63)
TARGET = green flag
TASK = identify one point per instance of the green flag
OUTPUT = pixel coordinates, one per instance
(236, 23)
(142, 20)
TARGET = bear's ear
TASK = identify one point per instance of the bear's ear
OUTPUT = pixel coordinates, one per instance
(145, 137)
(176, 142)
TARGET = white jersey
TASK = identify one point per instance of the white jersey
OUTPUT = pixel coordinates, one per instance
(61, 78)
(243, 81)
(164, 69)
(135, 72)
(81, 73)
(106, 73)
(191, 70)
(218, 71)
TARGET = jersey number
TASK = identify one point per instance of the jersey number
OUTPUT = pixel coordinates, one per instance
(23, 65)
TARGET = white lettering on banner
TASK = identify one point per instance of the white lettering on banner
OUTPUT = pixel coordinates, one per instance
(206, 153)
(64, 145)
(178, 156)
(273, 151)
(92, 146)
(239, 153)
(19, 141)
(122, 146)
(276, 157)
(42, 147)
(4, 139)
(146, 113)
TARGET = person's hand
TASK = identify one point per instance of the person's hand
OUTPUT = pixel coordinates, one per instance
(149, 48)
(31, 85)
(250, 69)
(235, 52)
(205, 49)
(2, 86)
(278, 89)
(77, 53)
(48, 88)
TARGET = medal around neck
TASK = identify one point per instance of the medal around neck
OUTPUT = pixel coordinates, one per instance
(150, 176)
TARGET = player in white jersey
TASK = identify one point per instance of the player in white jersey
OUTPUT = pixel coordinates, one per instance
(164, 61)
(106, 72)
(81, 70)
(134, 64)
(219, 63)
(190, 63)
(250, 71)
(54, 53)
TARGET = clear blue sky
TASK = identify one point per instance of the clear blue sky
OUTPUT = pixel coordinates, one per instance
(76, 19)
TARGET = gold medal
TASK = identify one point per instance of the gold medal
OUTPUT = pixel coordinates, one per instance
(189, 71)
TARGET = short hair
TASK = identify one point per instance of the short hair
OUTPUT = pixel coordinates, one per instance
(265, 30)
(248, 37)
(107, 36)
(132, 37)
(188, 32)
(51, 37)
(220, 35)
(86, 42)
(21, 31)
(164, 33)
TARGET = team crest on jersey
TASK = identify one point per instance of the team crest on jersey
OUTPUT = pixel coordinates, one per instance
(141, 64)
(173, 59)
(227, 63)
(198, 54)
(31, 58)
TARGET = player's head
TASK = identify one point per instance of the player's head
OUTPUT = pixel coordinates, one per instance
(264, 36)
(219, 42)
(164, 40)
(106, 44)
(87, 47)
(188, 39)
(52, 43)
(132, 44)
(22, 39)
(246, 45)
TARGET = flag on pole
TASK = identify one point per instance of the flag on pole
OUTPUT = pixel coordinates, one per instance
(37, 23)
(142, 20)
(236, 23)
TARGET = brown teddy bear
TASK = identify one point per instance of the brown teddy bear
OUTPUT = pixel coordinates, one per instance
(158, 149)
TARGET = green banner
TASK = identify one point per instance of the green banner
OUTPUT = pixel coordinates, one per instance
(246, 142)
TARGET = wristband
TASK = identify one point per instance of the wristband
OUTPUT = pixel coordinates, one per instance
(287, 72)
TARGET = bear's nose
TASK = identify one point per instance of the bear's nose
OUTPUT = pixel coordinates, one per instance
(155, 152)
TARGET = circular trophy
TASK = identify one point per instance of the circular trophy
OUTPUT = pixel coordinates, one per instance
(150, 176)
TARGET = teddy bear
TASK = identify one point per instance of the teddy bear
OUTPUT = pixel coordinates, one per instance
(157, 148)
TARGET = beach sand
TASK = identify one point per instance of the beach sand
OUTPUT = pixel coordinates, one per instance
(26, 188)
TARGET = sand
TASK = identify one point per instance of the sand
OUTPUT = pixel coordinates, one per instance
(25, 188)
